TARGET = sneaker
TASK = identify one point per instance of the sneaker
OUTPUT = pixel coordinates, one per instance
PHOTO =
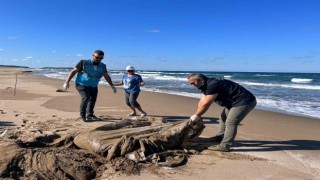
(219, 148)
(133, 114)
(142, 115)
(82, 118)
(216, 138)
(92, 118)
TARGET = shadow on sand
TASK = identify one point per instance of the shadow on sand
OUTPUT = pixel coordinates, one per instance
(6, 123)
(207, 120)
(260, 146)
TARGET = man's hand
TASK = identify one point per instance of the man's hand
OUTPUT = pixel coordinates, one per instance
(114, 89)
(66, 85)
(195, 118)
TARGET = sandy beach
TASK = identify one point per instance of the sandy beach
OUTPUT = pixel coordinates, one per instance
(269, 145)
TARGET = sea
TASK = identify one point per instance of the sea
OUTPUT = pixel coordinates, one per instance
(289, 93)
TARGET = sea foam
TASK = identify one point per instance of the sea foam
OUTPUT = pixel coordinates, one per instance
(301, 80)
(291, 86)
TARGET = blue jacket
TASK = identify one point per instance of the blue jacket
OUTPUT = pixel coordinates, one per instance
(90, 74)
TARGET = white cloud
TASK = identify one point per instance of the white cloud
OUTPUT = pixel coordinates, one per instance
(1, 49)
(307, 61)
(15, 60)
(305, 57)
(79, 55)
(27, 58)
(215, 58)
(153, 30)
(12, 37)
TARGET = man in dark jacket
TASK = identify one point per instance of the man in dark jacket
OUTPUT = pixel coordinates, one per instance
(236, 100)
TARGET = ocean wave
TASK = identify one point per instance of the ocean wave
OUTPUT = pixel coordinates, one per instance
(185, 94)
(63, 73)
(149, 72)
(292, 86)
(266, 75)
(55, 76)
(170, 78)
(301, 80)
(305, 108)
(144, 75)
(227, 77)
(176, 73)
(118, 73)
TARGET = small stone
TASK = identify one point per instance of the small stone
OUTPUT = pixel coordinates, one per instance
(34, 130)
(48, 132)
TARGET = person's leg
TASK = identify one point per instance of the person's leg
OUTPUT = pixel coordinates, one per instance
(127, 99)
(223, 117)
(93, 93)
(133, 101)
(84, 94)
(222, 125)
(234, 117)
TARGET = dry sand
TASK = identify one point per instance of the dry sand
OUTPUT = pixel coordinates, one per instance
(268, 145)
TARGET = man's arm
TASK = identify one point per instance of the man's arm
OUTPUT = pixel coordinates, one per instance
(118, 83)
(108, 79)
(203, 105)
(70, 76)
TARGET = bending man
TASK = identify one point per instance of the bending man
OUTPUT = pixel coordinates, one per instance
(236, 100)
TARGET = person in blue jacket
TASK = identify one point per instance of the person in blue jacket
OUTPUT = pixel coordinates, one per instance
(89, 73)
(131, 83)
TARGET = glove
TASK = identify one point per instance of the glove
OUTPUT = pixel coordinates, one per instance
(141, 84)
(195, 118)
(114, 89)
(66, 85)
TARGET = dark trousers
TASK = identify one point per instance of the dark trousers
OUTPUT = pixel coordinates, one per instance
(131, 99)
(88, 99)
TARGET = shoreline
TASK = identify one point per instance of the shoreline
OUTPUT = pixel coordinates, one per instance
(263, 104)
(267, 109)
(289, 145)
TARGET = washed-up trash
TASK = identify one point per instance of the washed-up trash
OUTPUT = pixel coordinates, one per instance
(139, 141)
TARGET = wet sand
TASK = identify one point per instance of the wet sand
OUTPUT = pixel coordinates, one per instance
(268, 145)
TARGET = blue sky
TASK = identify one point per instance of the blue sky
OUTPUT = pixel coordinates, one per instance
(200, 35)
